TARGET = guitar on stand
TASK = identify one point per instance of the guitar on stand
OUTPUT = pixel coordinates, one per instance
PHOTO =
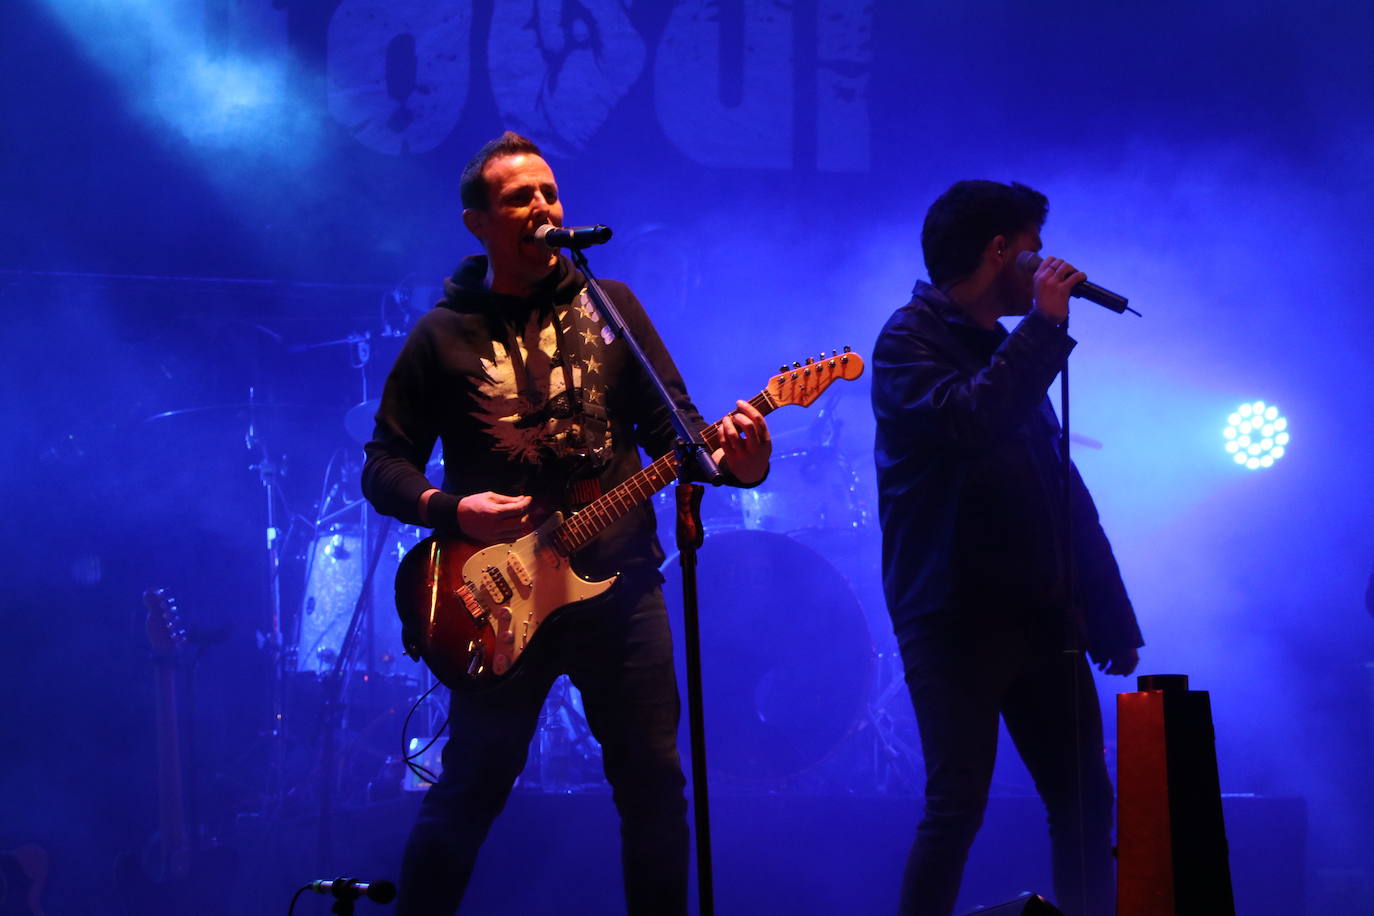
(174, 875)
(23, 874)
(470, 610)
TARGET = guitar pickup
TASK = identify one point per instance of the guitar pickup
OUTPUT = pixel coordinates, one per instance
(518, 570)
(497, 586)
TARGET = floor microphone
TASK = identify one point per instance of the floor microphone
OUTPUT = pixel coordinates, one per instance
(353, 889)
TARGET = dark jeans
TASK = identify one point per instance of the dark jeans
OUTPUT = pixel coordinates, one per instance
(962, 678)
(619, 653)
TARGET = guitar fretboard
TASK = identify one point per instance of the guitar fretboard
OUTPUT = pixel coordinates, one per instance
(597, 516)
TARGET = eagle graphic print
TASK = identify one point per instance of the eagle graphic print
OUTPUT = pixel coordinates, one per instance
(524, 403)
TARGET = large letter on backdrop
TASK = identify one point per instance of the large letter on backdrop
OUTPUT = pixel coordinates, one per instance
(398, 71)
(558, 68)
(844, 56)
(691, 87)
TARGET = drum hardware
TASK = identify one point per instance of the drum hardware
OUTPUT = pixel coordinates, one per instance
(270, 472)
(359, 419)
(894, 750)
(566, 757)
(787, 655)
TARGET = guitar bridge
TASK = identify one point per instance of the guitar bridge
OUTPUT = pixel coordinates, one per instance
(466, 594)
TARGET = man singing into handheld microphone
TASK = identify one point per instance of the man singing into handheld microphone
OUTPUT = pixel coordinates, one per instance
(539, 408)
(969, 497)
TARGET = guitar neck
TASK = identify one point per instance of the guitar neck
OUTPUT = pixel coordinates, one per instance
(584, 526)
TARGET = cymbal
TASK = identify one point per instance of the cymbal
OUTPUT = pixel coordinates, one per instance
(263, 406)
(359, 419)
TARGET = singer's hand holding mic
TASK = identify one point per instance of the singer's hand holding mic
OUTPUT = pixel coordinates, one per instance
(1057, 271)
(1053, 283)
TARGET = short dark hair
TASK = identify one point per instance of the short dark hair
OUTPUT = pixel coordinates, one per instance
(472, 187)
(970, 214)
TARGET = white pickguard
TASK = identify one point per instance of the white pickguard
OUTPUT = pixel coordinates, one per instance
(531, 581)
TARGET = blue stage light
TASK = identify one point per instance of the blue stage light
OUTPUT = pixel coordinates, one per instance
(1256, 435)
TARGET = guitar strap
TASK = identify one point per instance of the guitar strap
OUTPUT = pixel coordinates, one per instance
(574, 393)
(584, 490)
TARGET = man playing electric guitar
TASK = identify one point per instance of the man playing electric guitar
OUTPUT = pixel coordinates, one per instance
(539, 410)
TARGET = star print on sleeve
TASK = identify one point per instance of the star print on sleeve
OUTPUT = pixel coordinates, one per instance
(588, 336)
(593, 364)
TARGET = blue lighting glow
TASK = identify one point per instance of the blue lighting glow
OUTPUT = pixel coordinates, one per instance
(1256, 435)
(172, 73)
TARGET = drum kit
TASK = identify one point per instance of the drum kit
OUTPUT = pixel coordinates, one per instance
(803, 685)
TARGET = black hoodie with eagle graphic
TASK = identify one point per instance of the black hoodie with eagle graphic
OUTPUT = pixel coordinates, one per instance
(529, 396)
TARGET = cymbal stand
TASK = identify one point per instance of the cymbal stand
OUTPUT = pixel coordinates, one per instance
(270, 471)
(334, 706)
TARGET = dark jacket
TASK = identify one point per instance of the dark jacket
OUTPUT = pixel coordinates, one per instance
(969, 478)
(486, 375)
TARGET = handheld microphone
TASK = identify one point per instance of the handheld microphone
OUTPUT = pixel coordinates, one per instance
(1029, 261)
(572, 236)
(353, 889)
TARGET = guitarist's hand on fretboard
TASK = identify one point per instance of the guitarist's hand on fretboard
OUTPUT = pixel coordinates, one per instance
(746, 444)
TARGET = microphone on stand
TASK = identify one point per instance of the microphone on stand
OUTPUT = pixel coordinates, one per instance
(572, 236)
(353, 889)
(1029, 261)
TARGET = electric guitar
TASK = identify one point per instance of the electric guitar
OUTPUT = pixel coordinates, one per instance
(470, 610)
(159, 883)
(23, 872)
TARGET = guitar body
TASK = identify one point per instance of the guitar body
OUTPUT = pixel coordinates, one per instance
(471, 610)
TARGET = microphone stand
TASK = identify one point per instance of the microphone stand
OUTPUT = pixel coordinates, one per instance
(689, 537)
(695, 462)
(1073, 648)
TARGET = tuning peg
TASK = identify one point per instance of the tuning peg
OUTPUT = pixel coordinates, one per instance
(846, 348)
(796, 365)
(783, 367)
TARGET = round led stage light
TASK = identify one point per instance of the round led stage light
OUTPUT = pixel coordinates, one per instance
(1256, 435)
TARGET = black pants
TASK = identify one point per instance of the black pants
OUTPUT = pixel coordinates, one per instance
(964, 676)
(619, 653)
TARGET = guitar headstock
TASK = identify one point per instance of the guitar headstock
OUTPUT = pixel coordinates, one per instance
(803, 382)
(167, 635)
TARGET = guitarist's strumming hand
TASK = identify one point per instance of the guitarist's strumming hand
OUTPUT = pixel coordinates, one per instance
(747, 444)
(492, 518)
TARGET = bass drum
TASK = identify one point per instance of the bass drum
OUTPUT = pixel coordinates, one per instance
(336, 566)
(787, 659)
